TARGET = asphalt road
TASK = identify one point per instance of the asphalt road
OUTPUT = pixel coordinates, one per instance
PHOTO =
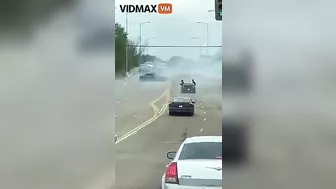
(292, 141)
(141, 158)
(132, 102)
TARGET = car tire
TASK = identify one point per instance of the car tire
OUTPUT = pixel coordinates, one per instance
(192, 113)
(171, 113)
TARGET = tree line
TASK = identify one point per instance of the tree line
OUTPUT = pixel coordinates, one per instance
(135, 56)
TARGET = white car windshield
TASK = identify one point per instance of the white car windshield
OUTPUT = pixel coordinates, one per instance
(181, 99)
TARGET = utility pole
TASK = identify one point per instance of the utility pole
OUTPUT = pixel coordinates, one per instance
(126, 44)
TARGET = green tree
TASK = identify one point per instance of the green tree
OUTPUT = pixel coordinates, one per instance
(133, 53)
(135, 57)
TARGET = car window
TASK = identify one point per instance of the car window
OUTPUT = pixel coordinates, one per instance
(181, 100)
(202, 150)
(188, 84)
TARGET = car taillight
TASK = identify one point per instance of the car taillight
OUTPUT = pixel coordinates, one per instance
(171, 174)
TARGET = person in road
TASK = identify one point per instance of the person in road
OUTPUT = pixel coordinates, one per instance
(193, 81)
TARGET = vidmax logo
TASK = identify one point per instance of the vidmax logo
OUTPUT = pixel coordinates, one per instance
(162, 8)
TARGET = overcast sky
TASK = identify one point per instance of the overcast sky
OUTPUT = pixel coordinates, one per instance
(178, 28)
(287, 20)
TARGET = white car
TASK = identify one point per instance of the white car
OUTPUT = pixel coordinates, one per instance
(196, 165)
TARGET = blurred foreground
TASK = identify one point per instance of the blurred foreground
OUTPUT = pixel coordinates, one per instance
(291, 109)
(56, 103)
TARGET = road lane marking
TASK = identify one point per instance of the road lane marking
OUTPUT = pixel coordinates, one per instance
(205, 119)
(157, 114)
(204, 112)
(156, 109)
(164, 107)
(201, 130)
(143, 125)
(165, 92)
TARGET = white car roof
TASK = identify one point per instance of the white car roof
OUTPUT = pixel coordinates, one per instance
(198, 139)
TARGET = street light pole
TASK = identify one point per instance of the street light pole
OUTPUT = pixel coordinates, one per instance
(199, 41)
(126, 44)
(140, 38)
(147, 43)
(207, 39)
(141, 34)
(207, 33)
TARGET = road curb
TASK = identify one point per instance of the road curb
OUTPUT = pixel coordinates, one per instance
(131, 73)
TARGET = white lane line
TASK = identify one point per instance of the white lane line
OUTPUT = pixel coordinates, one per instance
(115, 116)
(157, 114)
(163, 108)
(118, 102)
(106, 181)
(204, 112)
(205, 119)
(143, 125)
(201, 130)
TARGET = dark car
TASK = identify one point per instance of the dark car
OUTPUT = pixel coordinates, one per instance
(182, 105)
(188, 87)
(152, 77)
(234, 140)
